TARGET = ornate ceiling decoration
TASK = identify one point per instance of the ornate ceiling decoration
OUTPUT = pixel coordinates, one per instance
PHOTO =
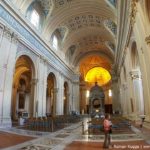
(82, 21)
(90, 62)
(84, 27)
(47, 5)
(99, 75)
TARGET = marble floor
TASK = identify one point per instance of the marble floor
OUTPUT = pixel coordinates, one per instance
(72, 138)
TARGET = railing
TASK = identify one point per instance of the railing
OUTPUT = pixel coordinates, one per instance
(50, 123)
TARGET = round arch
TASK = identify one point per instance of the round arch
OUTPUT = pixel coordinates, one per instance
(23, 87)
(51, 95)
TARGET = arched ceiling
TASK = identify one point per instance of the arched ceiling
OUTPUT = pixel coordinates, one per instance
(92, 61)
(89, 26)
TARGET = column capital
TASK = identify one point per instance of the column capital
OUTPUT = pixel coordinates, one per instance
(7, 33)
(43, 59)
(135, 74)
(14, 38)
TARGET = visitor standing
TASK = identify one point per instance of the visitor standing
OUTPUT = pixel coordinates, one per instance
(107, 130)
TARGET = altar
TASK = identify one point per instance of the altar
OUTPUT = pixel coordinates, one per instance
(96, 101)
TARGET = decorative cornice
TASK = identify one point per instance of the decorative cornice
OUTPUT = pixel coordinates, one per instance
(34, 42)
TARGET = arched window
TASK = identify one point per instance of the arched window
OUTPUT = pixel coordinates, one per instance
(57, 37)
(55, 42)
(35, 14)
(35, 18)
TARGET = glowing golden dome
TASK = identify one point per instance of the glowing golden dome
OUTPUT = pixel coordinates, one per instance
(98, 74)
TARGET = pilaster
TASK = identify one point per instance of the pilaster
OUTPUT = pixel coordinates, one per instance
(33, 110)
(41, 86)
(8, 47)
(138, 93)
(75, 96)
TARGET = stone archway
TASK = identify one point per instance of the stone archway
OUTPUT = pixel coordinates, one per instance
(137, 82)
(23, 88)
(65, 98)
(51, 95)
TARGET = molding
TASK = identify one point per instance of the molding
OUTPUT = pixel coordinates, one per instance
(34, 42)
(125, 29)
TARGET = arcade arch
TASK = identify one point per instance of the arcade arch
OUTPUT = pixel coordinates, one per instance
(23, 87)
(51, 95)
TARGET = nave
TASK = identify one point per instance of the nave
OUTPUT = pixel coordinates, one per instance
(62, 61)
(76, 136)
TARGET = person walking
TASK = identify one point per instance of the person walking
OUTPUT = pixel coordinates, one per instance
(107, 130)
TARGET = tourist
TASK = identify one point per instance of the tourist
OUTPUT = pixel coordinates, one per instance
(107, 130)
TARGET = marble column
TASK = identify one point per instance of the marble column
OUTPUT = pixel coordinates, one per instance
(60, 94)
(115, 95)
(124, 99)
(41, 86)
(76, 97)
(44, 82)
(8, 48)
(138, 92)
(147, 87)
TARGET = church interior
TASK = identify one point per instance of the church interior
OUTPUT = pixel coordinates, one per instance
(65, 64)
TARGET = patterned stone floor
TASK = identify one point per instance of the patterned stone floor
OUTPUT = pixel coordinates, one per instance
(71, 138)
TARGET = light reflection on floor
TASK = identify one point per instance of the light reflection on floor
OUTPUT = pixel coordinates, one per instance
(58, 140)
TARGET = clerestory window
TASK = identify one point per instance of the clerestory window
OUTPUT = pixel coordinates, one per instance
(35, 18)
(55, 42)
